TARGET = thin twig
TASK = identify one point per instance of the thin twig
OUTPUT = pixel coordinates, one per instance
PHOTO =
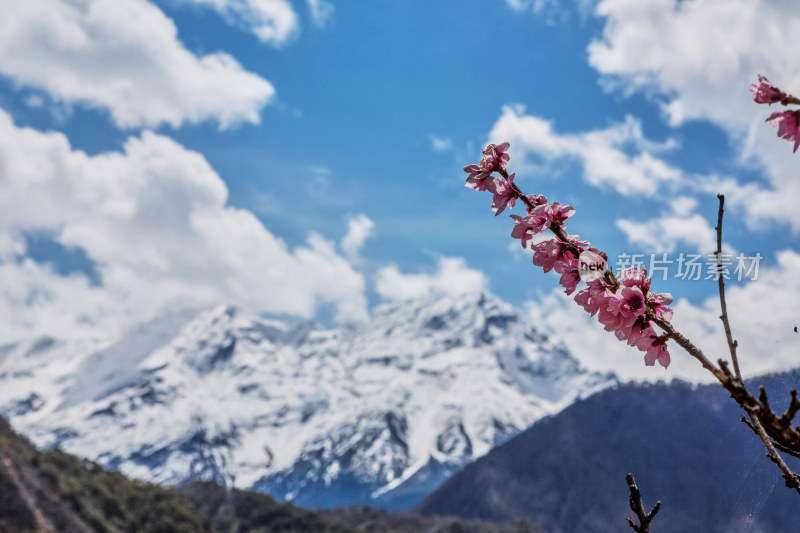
(791, 479)
(732, 344)
(791, 409)
(690, 348)
(784, 449)
(778, 446)
(778, 428)
(635, 500)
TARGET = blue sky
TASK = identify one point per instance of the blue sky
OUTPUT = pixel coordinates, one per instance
(284, 120)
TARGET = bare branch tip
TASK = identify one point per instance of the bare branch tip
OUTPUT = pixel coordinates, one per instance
(637, 507)
(655, 508)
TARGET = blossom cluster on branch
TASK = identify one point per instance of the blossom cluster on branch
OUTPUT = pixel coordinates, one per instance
(787, 122)
(625, 305)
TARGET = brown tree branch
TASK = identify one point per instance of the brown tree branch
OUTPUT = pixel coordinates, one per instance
(779, 428)
(761, 408)
(635, 500)
(555, 228)
(778, 446)
(784, 449)
(732, 344)
(690, 348)
(791, 479)
(776, 432)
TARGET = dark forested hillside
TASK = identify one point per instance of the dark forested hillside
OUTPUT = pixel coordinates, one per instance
(59, 493)
(685, 445)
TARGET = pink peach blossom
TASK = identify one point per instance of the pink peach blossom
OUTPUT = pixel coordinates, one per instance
(658, 304)
(624, 304)
(536, 200)
(524, 229)
(570, 277)
(657, 352)
(532, 224)
(635, 277)
(788, 124)
(542, 217)
(551, 253)
(766, 93)
(496, 156)
(623, 309)
(504, 194)
(477, 179)
(555, 255)
(594, 296)
(558, 214)
(547, 254)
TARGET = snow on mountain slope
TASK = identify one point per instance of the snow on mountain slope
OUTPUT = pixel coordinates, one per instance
(380, 412)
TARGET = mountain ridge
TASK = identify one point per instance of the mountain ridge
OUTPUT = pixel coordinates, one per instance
(373, 413)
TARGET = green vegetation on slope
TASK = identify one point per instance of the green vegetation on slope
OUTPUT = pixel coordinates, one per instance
(54, 491)
(57, 492)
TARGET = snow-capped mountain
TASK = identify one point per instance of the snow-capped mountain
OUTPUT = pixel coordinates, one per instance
(380, 412)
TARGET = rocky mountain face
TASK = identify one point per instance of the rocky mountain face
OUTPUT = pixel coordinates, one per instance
(684, 444)
(376, 413)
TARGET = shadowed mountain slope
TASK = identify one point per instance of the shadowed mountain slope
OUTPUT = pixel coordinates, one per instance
(685, 445)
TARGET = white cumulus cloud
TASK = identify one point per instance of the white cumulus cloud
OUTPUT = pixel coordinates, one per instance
(154, 221)
(359, 230)
(681, 224)
(452, 277)
(124, 56)
(536, 146)
(551, 11)
(321, 12)
(697, 59)
(763, 314)
(441, 144)
(274, 22)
